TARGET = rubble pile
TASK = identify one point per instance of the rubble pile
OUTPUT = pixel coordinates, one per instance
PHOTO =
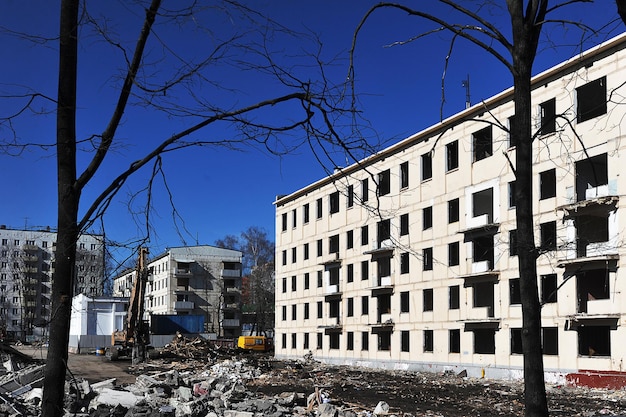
(219, 390)
(191, 380)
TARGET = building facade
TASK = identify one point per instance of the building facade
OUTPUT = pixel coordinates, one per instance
(408, 259)
(198, 280)
(26, 274)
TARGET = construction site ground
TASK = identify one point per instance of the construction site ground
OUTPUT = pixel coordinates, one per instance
(406, 393)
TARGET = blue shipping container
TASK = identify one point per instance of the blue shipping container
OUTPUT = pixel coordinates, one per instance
(171, 323)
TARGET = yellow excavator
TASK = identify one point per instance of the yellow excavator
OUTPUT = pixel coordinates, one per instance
(133, 340)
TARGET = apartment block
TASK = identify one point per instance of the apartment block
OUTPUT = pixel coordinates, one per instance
(26, 273)
(199, 280)
(408, 258)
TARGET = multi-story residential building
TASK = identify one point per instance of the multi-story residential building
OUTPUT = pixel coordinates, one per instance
(199, 280)
(26, 274)
(407, 259)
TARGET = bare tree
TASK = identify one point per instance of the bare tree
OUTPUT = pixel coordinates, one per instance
(155, 76)
(517, 54)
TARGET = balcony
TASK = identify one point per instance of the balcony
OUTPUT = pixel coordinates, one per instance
(30, 248)
(183, 305)
(229, 323)
(232, 290)
(230, 273)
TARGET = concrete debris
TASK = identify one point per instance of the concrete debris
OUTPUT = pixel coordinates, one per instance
(249, 385)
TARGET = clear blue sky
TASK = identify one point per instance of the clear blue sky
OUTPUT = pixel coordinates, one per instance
(219, 191)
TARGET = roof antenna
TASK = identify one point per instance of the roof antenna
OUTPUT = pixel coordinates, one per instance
(466, 83)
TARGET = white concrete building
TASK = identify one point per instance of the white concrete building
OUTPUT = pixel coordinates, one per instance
(200, 280)
(26, 272)
(408, 258)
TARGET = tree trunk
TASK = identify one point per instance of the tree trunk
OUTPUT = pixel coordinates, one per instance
(67, 230)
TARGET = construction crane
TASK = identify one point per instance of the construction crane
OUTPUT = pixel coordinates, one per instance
(132, 341)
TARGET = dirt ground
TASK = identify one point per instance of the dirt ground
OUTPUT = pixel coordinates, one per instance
(411, 393)
(88, 366)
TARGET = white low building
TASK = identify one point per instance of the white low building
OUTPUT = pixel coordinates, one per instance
(93, 321)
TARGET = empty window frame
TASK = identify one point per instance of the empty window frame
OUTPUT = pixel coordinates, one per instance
(453, 211)
(306, 251)
(452, 156)
(516, 341)
(320, 279)
(483, 296)
(454, 341)
(294, 312)
(294, 218)
(364, 235)
(512, 140)
(404, 302)
(592, 285)
(547, 232)
(284, 222)
(428, 341)
(482, 143)
(591, 100)
(404, 263)
(404, 175)
(350, 192)
(334, 340)
(350, 307)
(427, 166)
(482, 204)
(364, 190)
(548, 289)
(365, 341)
(365, 305)
(306, 311)
(350, 273)
(453, 297)
(594, 340)
(350, 341)
(307, 281)
(305, 213)
(349, 239)
(484, 341)
(364, 270)
(318, 208)
(591, 176)
(547, 184)
(384, 182)
(333, 244)
(404, 341)
(512, 194)
(515, 295)
(319, 247)
(294, 283)
(404, 224)
(548, 117)
(320, 337)
(453, 253)
(320, 309)
(384, 341)
(383, 229)
(427, 259)
(333, 202)
(427, 217)
(550, 340)
(512, 242)
(294, 255)
(428, 299)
